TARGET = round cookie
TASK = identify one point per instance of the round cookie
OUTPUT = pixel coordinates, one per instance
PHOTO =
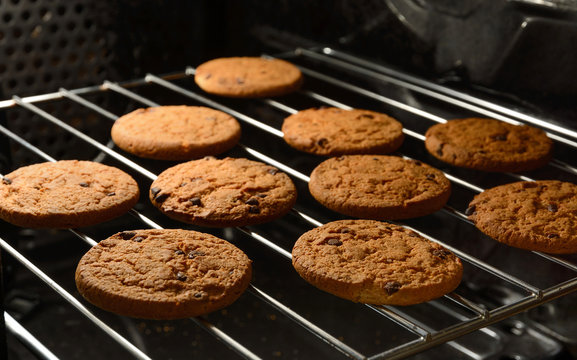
(539, 216)
(379, 187)
(489, 145)
(376, 263)
(220, 193)
(66, 194)
(176, 132)
(248, 77)
(334, 131)
(163, 274)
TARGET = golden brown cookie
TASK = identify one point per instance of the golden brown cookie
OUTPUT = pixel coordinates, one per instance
(379, 187)
(248, 77)
(66, 194)
(376, 263)
(334, 131)
(539, 216)
(227, 192)
(163, 274)
(489, 145)
(176, 132)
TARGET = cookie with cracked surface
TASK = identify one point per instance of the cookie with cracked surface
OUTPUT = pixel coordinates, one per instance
(379, 187)
(334, 131)
(163, 274)
(489, 145)
(66, 194)
(539, 216)
(223, 192)
(176, 132)
(376, 263)
(248, 77)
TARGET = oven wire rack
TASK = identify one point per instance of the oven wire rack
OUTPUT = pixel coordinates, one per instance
(425, 336)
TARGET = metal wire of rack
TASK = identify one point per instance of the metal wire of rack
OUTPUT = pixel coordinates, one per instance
(471, 315)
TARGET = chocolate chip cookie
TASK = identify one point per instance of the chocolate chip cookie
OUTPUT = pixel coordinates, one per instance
(220, 193)
(176, 132)
(163, 274)
(334, 131)
(539, 216)
(379, 187)
(66, 194)
(489, 145)
(376, 263)
(248, 77)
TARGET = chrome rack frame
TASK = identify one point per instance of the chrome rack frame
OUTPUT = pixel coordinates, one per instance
(425, 336)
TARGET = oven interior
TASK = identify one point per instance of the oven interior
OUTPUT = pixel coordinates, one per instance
(73, 67)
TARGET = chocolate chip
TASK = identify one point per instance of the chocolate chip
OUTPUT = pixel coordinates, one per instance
(154, 191)
(179, 252)
(252, 201)
(529, 184)
(442, 253)
(501, 137)
(261, 195)
(417, 162)
(239, 81)
(470, 210)
(431, 176)
(83, 184)
(6, 181)
(111, 194)
(160, 198)
(254, 209)
(181, 276)
(440, 151)
(138, 239)
(368, 116)
(195, 201)
(392, 287)
(322, 142)
(552, 207)
(182, 184)
(272, 171)
(482, 152)
(198, 295)
(552, 236)
(334, 242)
(208, 76)
(127, 235)
(194, 253)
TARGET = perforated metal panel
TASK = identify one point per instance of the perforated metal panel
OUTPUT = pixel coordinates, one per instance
(44, 46)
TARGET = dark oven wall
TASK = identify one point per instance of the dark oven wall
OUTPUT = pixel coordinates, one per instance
(511, 45)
